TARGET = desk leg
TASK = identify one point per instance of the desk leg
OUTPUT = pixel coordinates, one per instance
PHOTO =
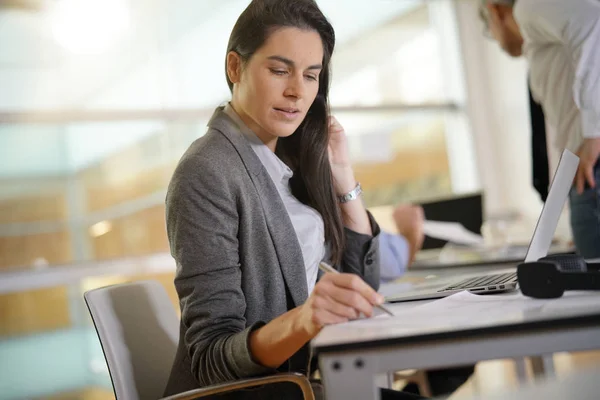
(548, 360)
(521, 367)
(389, 381)
(543, 366)
(348, 377)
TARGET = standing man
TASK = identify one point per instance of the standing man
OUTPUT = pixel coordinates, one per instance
(561, 41)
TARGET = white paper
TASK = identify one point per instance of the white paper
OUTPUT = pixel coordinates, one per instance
(461, 311)
(465, 306)
(451, 231)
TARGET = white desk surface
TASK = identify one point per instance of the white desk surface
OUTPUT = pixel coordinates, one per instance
(461, 315)
(458, 330)
(454, 331)
(457, 256)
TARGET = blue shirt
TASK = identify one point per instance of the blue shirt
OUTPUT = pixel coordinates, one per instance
(394, 253)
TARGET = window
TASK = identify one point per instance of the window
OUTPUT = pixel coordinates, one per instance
(88, 146)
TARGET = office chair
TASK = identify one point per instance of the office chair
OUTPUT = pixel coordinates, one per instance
(139, 330)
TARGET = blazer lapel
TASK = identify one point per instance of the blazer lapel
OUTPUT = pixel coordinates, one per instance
(278, 221)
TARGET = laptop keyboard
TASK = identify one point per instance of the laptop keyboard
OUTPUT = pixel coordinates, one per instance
(478, 281)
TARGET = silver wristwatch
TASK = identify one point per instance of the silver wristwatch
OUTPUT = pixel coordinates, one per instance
(351, 195)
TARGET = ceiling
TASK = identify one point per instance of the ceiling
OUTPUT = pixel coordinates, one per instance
(181, 36)
(168, 57)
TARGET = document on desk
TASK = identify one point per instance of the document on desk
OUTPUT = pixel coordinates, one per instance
(459, 312)
(451, 231)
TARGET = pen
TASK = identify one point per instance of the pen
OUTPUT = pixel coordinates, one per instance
(323, 266)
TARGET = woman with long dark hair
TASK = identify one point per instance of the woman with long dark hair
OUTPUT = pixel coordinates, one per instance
(258, 202)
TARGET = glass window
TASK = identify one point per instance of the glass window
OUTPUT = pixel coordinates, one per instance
(398, 157)
(88, 146)
(398, 62)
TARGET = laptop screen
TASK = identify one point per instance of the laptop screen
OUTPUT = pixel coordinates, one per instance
(552, 209)
(467, 210)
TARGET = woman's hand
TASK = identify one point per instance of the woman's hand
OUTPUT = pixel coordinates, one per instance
(354, 213)
(339, 158)
(337, 298)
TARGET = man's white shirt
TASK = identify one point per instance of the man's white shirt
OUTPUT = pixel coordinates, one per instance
(562, 46)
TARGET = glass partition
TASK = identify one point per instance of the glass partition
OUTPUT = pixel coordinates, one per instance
(88, 146)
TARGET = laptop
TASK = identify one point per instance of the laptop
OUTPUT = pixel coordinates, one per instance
(538, 247)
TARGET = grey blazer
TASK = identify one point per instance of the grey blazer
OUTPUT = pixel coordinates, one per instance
(239, 263)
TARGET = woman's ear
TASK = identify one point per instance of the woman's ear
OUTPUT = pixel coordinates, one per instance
(234, 67)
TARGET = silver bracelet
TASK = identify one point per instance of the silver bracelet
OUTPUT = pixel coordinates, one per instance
(351, 195)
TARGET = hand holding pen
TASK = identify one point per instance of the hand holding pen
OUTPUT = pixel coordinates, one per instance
(336, 298)
(323, 266)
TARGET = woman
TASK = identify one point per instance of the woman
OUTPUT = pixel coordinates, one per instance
(256, 203)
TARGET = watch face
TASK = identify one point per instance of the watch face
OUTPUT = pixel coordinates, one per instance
(354, 193)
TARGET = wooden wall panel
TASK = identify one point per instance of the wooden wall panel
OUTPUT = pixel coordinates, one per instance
(88, 393)
(34, 311)
(33, 199)
(419, 152)
(138, 234)
(405, 167)
(54, 247)
(136, 171)
(102, 193)
(33, 208)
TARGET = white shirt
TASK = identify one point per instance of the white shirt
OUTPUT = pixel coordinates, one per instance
(562, 46)
(307, 222)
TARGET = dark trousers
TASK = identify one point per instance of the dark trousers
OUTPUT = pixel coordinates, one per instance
(585, 218)
(444, 381)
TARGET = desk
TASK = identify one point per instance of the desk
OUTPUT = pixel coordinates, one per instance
(456, 256)
(352, 354)
(540, 365)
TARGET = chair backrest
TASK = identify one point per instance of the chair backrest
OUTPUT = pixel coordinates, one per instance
(138, 330)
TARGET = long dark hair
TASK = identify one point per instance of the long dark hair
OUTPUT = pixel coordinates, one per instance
(305, 151)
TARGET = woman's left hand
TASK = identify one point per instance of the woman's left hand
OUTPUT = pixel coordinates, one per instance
(339, 158)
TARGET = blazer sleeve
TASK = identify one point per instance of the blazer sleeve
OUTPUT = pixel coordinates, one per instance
(202, 223)
(361, 254)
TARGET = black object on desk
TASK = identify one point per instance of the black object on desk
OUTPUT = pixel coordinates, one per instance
(568, 262)
(551, 276)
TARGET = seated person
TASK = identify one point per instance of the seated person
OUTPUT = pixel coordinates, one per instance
(258, 202)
